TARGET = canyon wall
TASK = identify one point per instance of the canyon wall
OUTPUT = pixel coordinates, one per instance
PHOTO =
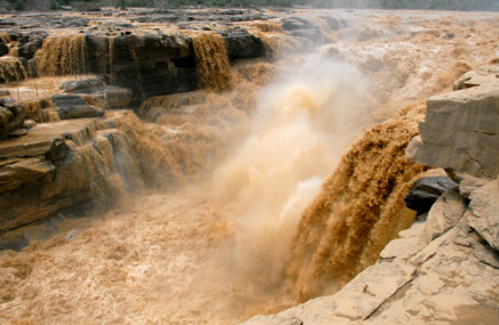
(87, 158)
(150, 63)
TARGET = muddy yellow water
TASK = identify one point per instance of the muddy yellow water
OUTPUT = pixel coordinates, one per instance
(283, 185)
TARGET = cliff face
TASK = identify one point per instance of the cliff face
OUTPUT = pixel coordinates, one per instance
(150, 63)
(461, 132)
(446, 266)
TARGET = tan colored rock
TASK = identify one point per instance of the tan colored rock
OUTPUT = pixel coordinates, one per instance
(444, 215)
(475, 78)
(54, 167)
(485, 218)
(77, 164)
(460, 130)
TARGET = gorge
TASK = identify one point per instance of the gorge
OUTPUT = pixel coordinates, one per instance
(207, 166)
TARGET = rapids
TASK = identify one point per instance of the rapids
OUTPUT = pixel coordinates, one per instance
(253, 223)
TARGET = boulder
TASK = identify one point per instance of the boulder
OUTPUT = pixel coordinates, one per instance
(299, 27)
(110, 97)
(475, 78)
(30, 42)
(444, 215)
(242, 45)
(12, 117)
(295, 23)
(485, 218)
(78, 111)
(426, 191)
(460, 133)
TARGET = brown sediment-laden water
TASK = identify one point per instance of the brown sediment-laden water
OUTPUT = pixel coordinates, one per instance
(276, 182)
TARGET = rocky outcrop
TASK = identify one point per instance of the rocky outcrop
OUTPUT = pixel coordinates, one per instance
(149, 64)
(29, 43)
(12, 117)
(46, 19)
(300, 27)
(242, 45)
(95, 87)
(426, 191)
(73, 106)
(158, 64)
(78, 164)
(55, 166)
(182, 16)
(460, 132)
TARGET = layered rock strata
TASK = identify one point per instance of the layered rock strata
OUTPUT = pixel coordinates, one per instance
(460, 133)
(149, 62)
(75, 164)
(12, 117)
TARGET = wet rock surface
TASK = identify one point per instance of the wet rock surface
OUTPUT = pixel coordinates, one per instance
(69, 164)
(181, 16)
(300, 27)
(442, 269)
(48, 167)
(426, 191)
(95, 87)
(12, 117)
(149, 62)
(72, 106)
(242, 45)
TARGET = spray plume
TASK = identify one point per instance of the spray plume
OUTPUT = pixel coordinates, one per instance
(301, 124)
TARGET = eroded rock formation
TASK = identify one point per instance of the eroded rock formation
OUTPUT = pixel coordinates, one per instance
(12, 117)
(460, 131)
(79, 163)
